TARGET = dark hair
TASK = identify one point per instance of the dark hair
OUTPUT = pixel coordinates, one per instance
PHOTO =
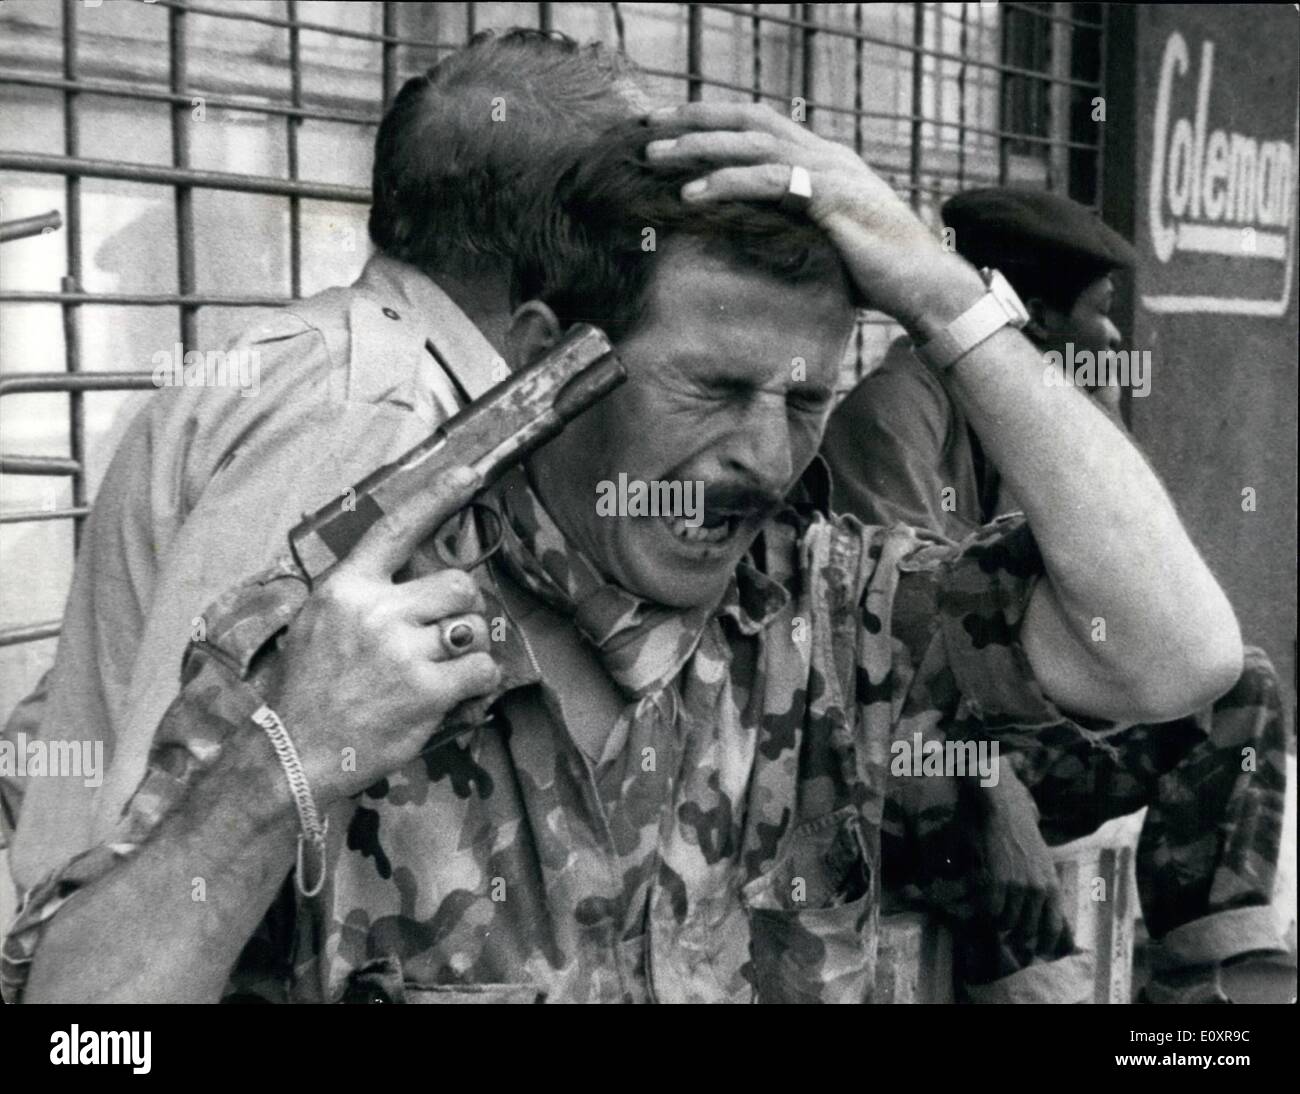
(588, 258)
(455, 143)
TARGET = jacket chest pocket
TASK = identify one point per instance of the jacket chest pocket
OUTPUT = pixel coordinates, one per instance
(382, 981)
(814, 917)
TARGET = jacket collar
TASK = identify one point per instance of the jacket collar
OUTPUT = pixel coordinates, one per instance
(394, 300)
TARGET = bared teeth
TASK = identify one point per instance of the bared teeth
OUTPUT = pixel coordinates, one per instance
(699, 534)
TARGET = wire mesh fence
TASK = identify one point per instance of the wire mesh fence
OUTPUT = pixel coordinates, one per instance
(245, 180)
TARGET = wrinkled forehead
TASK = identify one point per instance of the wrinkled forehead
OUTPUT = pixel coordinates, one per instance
(711, 311)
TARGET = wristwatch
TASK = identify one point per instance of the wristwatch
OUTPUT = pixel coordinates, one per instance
(999, 307)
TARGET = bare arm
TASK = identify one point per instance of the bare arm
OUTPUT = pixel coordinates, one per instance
(363, 669)
(1115, 551)
(1130, 623)
(138, 933)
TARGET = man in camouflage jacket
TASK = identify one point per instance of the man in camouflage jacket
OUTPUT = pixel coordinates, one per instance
(678, 790)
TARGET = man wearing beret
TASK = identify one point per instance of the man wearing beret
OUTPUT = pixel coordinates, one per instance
(900, 449)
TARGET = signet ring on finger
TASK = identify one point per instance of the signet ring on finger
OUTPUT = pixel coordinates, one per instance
(458, 636)
(798, 191)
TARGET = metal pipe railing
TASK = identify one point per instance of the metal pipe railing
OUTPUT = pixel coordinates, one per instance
(24, 227)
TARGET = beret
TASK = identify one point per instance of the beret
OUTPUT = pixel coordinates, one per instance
(1001, 226)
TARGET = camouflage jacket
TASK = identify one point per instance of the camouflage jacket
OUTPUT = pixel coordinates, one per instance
(730, 851)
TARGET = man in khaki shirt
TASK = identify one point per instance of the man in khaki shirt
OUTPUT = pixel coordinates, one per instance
(225, 476)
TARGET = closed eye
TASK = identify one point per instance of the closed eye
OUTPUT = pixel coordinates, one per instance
(804, 398)
(808, 402)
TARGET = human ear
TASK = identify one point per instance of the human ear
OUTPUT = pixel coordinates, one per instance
(1038, 329)
(534, 330)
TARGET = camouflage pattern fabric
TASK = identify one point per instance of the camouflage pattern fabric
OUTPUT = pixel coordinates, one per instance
(1214, 787)
(730, 852)
(641, 645)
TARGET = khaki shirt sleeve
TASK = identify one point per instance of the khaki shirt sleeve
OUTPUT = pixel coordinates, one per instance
(888, 444)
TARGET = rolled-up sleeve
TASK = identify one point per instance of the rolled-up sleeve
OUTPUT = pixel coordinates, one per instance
(200, 496)
(973, 662)
(218, 698)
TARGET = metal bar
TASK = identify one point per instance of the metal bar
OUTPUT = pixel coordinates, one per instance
(30, 226)
(694, 49)
(185, 242)
(175, 176)
(196, 300)
(875, 39)
(116, 89)
(807, 75)
(142, 92)
(834, 109)
(243, 15)
(24, 516)
(857, 95)
(39, 465)
(291, 146)
(42, 383)
(1058, 110)
(72, 282)
(183, 177)
(620, 27)
(29, 632)
(1004, 152)
(961, 103)
(389, 53)
(918, 74)
(471, 20)
(310, 114)
(545, 18)
(1052, 18)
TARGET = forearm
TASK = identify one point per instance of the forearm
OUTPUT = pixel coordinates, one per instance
(1115, 552)
(1126, 585)
(170, 922)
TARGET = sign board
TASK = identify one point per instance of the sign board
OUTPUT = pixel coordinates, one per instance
(1217, 165)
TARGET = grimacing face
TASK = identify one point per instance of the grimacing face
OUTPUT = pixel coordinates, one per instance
(714, 394)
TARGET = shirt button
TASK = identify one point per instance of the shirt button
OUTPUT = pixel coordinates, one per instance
(391, 314)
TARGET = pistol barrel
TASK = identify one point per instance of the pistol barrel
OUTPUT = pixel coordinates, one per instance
(492, 434)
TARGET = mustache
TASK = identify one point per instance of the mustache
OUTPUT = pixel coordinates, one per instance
(740, 499)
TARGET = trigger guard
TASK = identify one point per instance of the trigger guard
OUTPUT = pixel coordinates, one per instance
(452, 562)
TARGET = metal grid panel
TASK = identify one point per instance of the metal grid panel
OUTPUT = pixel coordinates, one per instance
(938, 96)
